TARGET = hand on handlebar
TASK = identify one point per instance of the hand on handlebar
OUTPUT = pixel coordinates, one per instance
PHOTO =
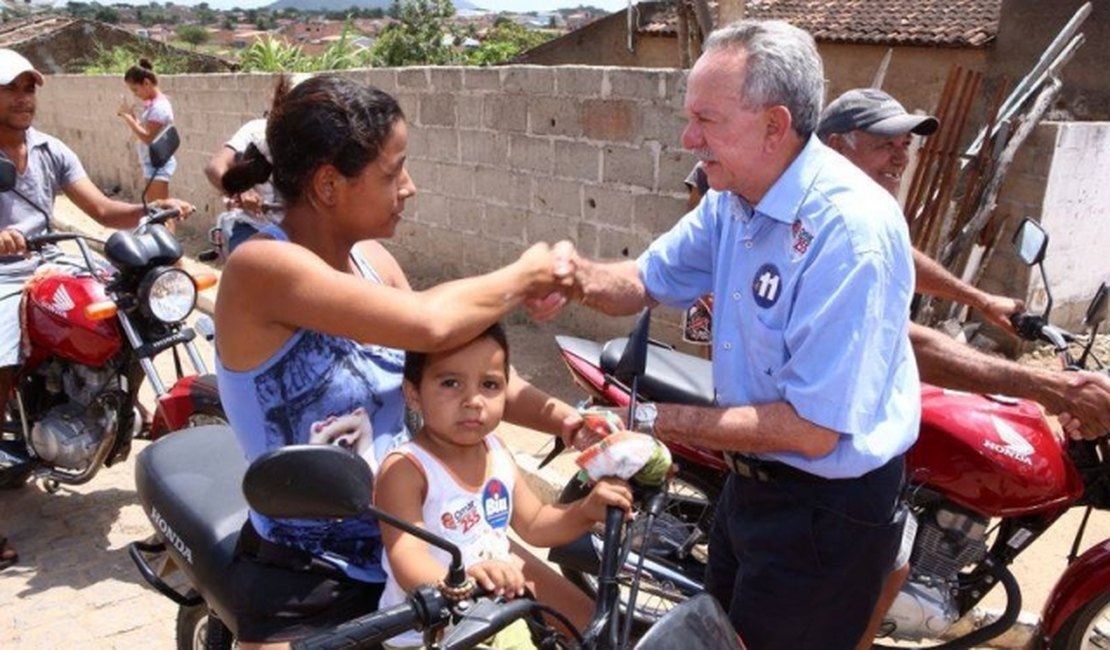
(497, 577)
(12, 242)
(184, 208)
(1088, 412)
(250, 201)
(999, 309)
(606, 492)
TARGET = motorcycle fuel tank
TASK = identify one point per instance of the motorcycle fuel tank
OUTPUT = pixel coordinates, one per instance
(994, 455)
(55, 319)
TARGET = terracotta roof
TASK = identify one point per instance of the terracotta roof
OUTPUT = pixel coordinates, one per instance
(941, 23)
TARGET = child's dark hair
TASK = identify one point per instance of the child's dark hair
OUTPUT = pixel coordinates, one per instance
(137, 74)
(415, 362)
(324, 120)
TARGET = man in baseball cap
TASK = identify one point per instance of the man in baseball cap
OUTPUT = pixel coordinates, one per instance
(13, 64)
(873, 130)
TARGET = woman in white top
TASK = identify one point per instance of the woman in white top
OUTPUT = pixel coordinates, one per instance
(157, 114)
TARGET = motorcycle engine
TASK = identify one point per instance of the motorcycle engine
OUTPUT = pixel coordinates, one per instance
(68, 435)
(948, 539)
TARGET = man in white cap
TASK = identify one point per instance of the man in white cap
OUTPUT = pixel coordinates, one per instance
(872, 130)
(44, 167)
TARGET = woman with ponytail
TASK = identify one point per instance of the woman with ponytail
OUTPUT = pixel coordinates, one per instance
(156, 115)
(312, 321)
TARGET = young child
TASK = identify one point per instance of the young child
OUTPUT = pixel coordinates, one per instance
(458, 480)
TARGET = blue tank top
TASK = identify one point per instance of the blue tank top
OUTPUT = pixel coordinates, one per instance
(319, 388)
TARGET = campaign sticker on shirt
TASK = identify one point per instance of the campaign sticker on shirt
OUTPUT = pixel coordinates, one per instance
(495, 501)
(765, 286)
(802, 238)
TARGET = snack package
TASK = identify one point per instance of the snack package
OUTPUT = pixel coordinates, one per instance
(627, 455)
(601, 422)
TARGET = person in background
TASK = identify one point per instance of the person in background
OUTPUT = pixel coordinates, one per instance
(873, 131)
(156, 115)
(45, 167)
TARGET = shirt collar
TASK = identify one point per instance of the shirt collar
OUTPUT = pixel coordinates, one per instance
(34, 138)
(784, 200)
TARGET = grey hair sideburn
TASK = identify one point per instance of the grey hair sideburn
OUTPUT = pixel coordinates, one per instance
(783, 68)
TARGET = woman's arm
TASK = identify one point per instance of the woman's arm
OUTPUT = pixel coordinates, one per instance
(144, 131)
(271, 287)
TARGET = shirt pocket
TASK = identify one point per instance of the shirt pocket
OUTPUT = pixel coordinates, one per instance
(766, 349)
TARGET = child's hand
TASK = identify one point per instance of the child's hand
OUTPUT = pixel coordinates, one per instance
(498, 577)
(606, 492)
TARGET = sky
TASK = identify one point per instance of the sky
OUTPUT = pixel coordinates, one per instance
(492, 5)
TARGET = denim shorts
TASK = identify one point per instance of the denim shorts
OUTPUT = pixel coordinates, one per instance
(163, 174)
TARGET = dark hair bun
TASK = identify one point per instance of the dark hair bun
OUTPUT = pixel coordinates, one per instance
(145, 63)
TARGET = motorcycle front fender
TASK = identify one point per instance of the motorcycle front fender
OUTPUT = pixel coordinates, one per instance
(1081, 583)
(189, 396)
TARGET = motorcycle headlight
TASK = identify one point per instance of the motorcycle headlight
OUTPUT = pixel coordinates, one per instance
(169, 294)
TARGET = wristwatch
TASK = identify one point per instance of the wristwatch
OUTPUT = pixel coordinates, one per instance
(645, 415)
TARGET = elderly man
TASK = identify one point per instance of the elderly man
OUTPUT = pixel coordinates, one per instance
(817, 388)
(873, 131)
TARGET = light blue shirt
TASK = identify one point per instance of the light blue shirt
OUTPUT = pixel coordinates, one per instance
(812, 296)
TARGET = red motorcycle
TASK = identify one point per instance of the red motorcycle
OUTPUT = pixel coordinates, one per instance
(977, 458)
(91, 332)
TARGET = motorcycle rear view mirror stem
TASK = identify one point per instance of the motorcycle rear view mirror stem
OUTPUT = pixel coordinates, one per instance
(328, 482)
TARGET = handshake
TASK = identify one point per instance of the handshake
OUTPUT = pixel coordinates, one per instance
(556, 275)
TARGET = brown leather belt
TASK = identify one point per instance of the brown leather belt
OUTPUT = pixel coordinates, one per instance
(761, 470)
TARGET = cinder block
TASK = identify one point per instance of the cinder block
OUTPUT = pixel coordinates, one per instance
(561, 197)
(437, 109)
(647, 85)
(528, 79)
(505, 223)
(443, 143)
(384, 79)
(481, 255)
(662, 124)
(468, 111)
(424, 173)
(430, 209)
(655, 214)
(465, 215)
(548, 227)
(481, 79)
(578, 81)
(674, 88)
(505, 112)
(586, 241)
(484, 147)
(621, 244)
(457, 180)
(532, 154)
(498, 186)
(553, 116)
(1023, 188)
(446, 79)
(579, 160)
(414, 78)
(628, 165)
(674, 166)
(613, 120)
(606, 206)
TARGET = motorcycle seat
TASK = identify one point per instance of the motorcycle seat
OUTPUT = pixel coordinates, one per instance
(669, 376)
(190, 485)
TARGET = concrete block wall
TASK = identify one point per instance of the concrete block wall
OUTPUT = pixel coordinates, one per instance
(502, 158)
(1058, 179)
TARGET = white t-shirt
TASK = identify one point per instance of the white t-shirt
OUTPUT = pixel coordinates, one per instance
(477, 521)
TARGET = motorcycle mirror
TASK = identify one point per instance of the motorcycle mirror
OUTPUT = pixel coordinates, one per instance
(163, 147)
(1030, 242)
(7, 175)
(309, 482)
(1099, 309)
(696, 624)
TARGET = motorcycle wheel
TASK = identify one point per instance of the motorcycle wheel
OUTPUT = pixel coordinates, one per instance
(1087, 629)
(198, 629)
(686, 519)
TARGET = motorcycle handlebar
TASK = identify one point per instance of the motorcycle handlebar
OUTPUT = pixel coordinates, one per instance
(427, 606)
(1032, 327)
(486, 619)
(36, 242)
(161, 216)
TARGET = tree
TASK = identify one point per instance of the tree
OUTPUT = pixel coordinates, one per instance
(193, 35)
(106, 15)
(418, 37)
(505, 41)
